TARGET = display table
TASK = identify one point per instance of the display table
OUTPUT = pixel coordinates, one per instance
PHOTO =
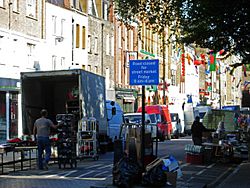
(219, 151)
(6, 159)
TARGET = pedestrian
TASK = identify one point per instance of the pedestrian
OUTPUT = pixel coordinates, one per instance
(248, 136)
(196, 130)
(41, 133)
(221, 130)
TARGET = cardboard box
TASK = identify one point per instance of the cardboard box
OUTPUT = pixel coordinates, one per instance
(171, 178)
(194, 158)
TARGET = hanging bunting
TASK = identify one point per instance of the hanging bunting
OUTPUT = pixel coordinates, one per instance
(246, 83)
(196, 69)
(212, 61)
(244, 70)
(238, 83)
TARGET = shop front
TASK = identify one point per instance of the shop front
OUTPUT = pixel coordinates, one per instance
(9, 92)
(127, 99)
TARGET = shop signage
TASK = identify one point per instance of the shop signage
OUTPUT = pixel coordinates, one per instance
(144, 72)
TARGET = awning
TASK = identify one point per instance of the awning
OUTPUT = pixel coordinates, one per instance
(129, 98)
(9, 84)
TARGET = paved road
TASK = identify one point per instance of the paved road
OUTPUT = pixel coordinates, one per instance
(99, 173)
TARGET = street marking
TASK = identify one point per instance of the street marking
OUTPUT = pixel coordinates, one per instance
(184, 164)
(53, 175)
(199, 173)
(67, 174)
(109, 175)
(93, 166)
(111, 165)
(210, 166)
(86, 173)
(100, 173)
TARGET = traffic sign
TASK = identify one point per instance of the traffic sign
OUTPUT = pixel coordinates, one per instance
(144, 72)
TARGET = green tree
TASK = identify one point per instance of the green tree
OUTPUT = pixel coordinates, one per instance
(212, 24)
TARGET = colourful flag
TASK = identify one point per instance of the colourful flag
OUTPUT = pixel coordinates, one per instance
(245, 70)
(212, 61)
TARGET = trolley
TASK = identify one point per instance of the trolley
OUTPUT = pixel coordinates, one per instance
(87, 143)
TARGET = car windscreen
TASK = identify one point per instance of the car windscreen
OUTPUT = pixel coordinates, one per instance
(152, 118)
(134, 118)
(174, 117)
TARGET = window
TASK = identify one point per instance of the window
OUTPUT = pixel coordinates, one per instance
(2, 3)
(107, 73)
(15, 5)
(62, 62)
(105, 11)
(54, 24)
(53, 62)
(62, 27)
(3, 115)
(83, 67)
(119, 37)
(112, 46)
(125, 39)
(31, 8)
(77, 35)
(96, 70)
(131, 40)
(107, 45)
(96, 45)
(119, 72)
(89, 43)
(83, 37)
(173, 77)
(30, 53)
(89, 68)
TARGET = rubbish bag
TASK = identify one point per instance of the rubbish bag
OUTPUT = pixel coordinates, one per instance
(126, 173)
(155, 176)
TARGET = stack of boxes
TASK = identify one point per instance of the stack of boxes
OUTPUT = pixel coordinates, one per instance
(194, 154)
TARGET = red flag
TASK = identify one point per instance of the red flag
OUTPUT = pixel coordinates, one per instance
(212, 61)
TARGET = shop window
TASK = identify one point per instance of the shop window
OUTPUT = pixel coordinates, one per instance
(13, 130)
(2, 116)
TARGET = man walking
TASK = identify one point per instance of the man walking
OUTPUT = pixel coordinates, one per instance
(41, 133)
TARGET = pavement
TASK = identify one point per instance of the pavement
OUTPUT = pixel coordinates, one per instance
(238, 178)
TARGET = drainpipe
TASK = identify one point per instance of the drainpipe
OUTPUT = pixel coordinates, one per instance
(102, 49)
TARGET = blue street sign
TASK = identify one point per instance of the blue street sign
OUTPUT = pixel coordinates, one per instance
(144, 72)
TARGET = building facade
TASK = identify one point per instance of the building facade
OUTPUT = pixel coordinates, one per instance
(22, 35)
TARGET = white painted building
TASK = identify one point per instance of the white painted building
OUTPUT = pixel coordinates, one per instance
(66, 44)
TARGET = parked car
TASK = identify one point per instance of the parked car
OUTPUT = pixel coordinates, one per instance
(150, 121)
(163, 119)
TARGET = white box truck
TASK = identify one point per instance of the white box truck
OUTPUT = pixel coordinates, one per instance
(65, 91)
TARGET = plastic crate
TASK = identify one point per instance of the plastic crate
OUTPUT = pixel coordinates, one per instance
(194, 158)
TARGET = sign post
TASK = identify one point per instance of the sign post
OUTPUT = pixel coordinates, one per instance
(144, 72)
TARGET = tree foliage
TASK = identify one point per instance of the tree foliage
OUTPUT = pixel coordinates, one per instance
(212, 24)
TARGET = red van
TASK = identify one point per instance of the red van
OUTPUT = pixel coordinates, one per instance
(163, 118)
